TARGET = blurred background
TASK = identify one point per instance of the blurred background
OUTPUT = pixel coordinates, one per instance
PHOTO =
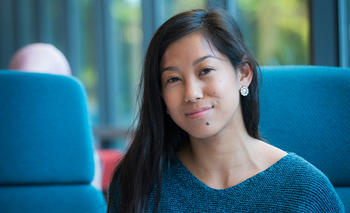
(105, 41)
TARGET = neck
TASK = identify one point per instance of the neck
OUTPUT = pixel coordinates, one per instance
(221, 164)
(220, 160)
(221, 152)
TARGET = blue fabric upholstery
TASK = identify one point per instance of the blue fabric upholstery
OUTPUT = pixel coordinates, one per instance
(46, 145)
(306, 110)
(51, 199)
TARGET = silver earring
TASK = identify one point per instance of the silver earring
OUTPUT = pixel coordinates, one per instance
(244, 91)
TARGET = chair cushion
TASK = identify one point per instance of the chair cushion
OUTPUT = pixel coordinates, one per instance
(306, 109)
(53, 199)
(44, 130)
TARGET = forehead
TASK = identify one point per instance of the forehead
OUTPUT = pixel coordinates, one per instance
(187, 49)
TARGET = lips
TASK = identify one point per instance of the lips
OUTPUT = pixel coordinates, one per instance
(199, 112)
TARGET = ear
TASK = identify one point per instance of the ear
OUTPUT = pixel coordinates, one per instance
(245, 74)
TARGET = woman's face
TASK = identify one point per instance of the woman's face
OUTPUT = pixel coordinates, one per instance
(200, 87)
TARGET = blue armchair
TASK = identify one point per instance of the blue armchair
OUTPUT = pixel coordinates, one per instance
(306, 110)
(45, 145)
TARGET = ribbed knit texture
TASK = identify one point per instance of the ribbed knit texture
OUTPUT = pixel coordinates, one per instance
(290, 185)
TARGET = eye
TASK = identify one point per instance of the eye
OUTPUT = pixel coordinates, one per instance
(173, 79)
(205, 71)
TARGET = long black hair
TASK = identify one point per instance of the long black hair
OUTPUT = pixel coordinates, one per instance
(157, 138)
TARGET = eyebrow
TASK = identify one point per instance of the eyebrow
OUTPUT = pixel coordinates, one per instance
(171, 68)
(197, 61)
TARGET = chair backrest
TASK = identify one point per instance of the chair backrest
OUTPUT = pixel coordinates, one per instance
(306, 110)
(45, 145)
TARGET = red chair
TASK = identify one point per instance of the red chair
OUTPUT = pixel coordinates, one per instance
(109, 160)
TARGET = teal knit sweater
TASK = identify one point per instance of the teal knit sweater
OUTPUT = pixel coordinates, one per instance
(290, 185)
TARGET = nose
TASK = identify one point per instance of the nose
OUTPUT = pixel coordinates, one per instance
(193, 91)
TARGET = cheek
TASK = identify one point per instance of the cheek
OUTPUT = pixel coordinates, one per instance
(225, 91)
(167, 101)
(173, 105)
(229, 82)
(171, 99)
(220, 88)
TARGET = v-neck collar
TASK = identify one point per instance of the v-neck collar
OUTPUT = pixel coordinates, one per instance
(193, 181)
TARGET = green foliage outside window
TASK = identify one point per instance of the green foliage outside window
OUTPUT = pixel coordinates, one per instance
(277, 32)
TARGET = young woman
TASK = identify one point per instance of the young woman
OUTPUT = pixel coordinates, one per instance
(197, 147)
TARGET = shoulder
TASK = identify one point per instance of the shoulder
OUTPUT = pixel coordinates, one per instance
(311, 185)
(303, 169)
(304, 173)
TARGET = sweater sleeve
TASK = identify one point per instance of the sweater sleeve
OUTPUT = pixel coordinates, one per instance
(320, 195)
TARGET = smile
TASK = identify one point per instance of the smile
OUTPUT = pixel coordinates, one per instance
(199, 113)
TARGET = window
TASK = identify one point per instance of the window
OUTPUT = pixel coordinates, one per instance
(89, 73)
(172, 7)
(344, 32)
(126, 63)
(277, 32)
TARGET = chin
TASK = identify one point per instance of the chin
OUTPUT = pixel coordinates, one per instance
(202, 133)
